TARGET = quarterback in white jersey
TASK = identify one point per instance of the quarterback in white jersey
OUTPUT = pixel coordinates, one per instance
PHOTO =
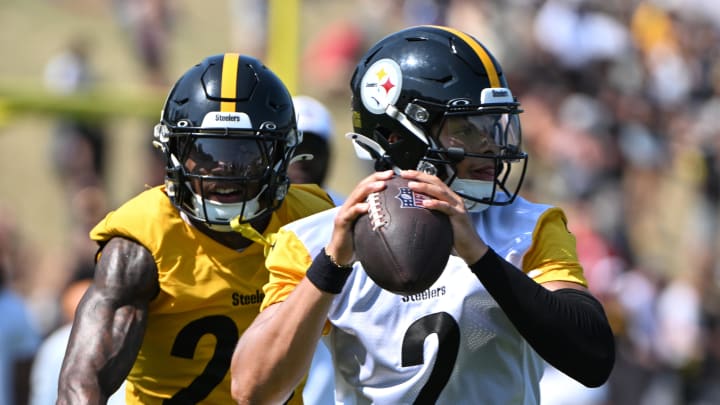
(430, 104)
(449, 344)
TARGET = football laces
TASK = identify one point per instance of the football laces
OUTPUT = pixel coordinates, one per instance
(375, 212)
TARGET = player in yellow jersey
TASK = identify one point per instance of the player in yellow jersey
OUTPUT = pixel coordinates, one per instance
(180, 270)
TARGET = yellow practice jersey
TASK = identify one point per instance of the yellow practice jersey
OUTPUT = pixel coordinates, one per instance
(209, 294)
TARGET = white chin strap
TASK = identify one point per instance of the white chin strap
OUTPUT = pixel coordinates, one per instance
(474, 188)
(224, 212)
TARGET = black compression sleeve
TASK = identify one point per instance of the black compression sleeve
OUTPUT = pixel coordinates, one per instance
(567, 327)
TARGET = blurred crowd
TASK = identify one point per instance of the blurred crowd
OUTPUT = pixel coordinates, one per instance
(621, 99)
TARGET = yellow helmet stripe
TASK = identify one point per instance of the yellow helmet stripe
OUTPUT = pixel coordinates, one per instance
(479, 51)
(228, 82)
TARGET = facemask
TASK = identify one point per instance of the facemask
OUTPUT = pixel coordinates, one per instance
(478, 189)
(224, 212)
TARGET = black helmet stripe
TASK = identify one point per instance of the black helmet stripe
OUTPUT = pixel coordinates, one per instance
(480, 51)
(228, 89)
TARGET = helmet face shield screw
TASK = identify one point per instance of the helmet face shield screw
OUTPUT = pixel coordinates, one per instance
(417, 113)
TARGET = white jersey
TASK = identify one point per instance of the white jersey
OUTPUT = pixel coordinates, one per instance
(450, 344)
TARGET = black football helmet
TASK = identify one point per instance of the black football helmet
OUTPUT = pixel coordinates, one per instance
(416, 82)
(228, 131)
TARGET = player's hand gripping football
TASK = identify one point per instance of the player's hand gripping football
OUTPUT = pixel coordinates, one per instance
(340, 247)
(467, 243)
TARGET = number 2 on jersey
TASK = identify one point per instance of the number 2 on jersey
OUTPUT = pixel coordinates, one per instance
(226, 334)
(448, 333)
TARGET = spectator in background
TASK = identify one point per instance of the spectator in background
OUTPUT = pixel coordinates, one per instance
(313, 155)
(69, 71)
(148, 24)
(77, 153)
(77, 150)
(48, 361)
(426, 12)
(19, 337)
(248, 31)
(329, 57)
(18, 341)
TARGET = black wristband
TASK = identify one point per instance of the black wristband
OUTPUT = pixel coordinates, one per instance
(326, 275)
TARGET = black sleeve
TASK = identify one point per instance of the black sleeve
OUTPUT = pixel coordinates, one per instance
(567, 327)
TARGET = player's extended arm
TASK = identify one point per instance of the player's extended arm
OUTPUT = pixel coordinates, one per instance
(275, 353)
(562, 321)
(109, 324)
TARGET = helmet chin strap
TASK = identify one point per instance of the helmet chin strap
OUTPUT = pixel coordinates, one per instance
(248, 232)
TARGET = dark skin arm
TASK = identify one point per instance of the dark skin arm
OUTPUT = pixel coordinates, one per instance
(109, 324)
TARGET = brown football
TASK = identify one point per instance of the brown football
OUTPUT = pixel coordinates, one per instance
(402, 246)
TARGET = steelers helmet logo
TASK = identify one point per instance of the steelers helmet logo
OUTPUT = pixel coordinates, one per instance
(381, 85)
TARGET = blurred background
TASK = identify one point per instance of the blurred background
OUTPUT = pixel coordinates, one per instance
(621, 111)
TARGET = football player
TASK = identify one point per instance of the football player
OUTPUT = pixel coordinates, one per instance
(180, 269)
(313, 155)
(431, 104)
